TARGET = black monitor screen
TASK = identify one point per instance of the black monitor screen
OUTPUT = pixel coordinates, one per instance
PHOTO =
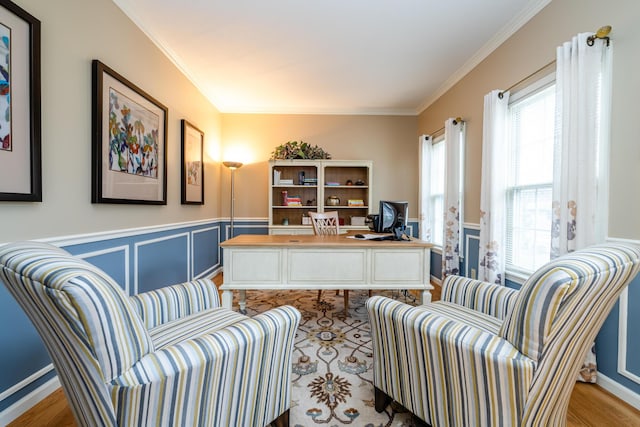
(393, 216)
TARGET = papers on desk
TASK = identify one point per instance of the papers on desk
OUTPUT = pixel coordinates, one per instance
(371, 236)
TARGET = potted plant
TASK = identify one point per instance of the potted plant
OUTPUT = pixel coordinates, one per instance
(298, 150)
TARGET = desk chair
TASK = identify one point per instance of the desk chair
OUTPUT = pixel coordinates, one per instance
(326, 224)
(488, 355)
(168, 357)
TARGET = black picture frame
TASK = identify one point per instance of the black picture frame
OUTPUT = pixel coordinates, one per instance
(20, 89)
(129, 148)
(192, 149)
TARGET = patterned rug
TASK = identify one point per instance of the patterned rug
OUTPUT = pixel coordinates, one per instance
(332, 359)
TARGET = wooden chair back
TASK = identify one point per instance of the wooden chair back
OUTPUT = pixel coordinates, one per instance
(325, 223)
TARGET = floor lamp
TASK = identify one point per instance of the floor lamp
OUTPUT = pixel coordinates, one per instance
(232, 166)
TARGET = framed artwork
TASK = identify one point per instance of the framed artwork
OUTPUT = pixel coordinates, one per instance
(20, 126)
(192, 165)
(129, 128)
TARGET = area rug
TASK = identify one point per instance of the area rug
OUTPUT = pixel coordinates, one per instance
(332, 359)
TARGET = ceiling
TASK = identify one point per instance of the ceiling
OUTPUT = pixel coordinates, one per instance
(330, 56)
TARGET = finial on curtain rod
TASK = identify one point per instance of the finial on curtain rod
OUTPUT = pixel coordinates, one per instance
(602, 33)
(437, 132)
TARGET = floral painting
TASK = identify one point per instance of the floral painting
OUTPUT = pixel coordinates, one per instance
(129, 127)
(5, 88)
(133, 137)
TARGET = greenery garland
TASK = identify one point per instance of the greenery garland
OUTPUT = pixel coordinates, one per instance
(298, 150)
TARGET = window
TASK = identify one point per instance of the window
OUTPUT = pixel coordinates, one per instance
(530, 177)
(433, 191)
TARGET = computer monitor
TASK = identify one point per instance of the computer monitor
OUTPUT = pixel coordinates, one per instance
(393, 218)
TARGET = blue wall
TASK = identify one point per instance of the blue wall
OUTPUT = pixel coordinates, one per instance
(151, 258)
(139, 260)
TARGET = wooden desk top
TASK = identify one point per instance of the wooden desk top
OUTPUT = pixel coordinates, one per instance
(255, 240)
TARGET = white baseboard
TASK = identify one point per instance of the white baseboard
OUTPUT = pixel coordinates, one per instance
(29, 401)
(620, 391)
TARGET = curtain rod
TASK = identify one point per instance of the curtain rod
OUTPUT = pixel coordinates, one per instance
(455, 122)
(501, 94)
(602, 33)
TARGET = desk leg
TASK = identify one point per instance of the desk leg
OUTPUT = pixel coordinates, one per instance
(227, 299)
(243, 302)
(426, 297)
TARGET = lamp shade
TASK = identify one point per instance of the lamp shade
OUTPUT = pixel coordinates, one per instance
(232, 165)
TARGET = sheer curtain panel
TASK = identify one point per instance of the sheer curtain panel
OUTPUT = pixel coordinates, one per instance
(454, 135)
(581, 158)
(491, 266)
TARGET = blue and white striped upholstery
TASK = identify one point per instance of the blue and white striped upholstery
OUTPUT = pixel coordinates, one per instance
(488, 298)
(452, 368)
(168, 357)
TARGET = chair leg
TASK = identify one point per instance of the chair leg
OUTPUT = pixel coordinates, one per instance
(319, 294)
(282, 420)
(382, 399)
(346, 302)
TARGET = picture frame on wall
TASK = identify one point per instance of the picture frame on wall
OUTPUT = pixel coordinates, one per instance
(192, 164)
(129, 132)
(20, 105)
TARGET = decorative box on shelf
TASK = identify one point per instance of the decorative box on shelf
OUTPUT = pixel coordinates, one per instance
(357, 220)
(355, 202)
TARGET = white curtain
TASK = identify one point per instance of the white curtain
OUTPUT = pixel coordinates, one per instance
(581, 158)
(491, 266)
(580, 180)
(425, 188)
(454, 135)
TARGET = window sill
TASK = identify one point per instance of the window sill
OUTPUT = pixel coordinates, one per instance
(517, 276)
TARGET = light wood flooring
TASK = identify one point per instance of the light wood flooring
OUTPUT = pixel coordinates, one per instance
(590, 405)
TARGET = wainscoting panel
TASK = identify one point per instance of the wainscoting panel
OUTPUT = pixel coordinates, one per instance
(113, 260)
(205, 247)
(138, 260)
(161, 262)
(472, 252)
(628, 344)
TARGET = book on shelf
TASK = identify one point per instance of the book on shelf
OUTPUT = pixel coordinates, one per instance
(310, 181)
(276, 177)
(332, 183)
(286, 182)
(355, 202)
(292, 201)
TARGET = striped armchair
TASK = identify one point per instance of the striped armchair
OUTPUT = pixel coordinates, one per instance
(487, 355)
(170, 357)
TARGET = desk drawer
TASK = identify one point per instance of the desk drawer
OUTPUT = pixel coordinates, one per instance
(253, 266)
(344, 266)
(399, 266)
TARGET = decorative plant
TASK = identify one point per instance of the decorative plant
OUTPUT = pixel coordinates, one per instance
(298, 150)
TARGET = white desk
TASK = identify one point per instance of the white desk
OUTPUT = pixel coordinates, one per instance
(323, 262)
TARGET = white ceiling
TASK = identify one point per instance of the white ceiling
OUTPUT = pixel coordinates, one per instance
(329, 56)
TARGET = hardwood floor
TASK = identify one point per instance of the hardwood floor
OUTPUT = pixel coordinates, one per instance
(590, 405)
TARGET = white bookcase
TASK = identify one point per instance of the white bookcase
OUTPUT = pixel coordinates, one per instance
(312, 183)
